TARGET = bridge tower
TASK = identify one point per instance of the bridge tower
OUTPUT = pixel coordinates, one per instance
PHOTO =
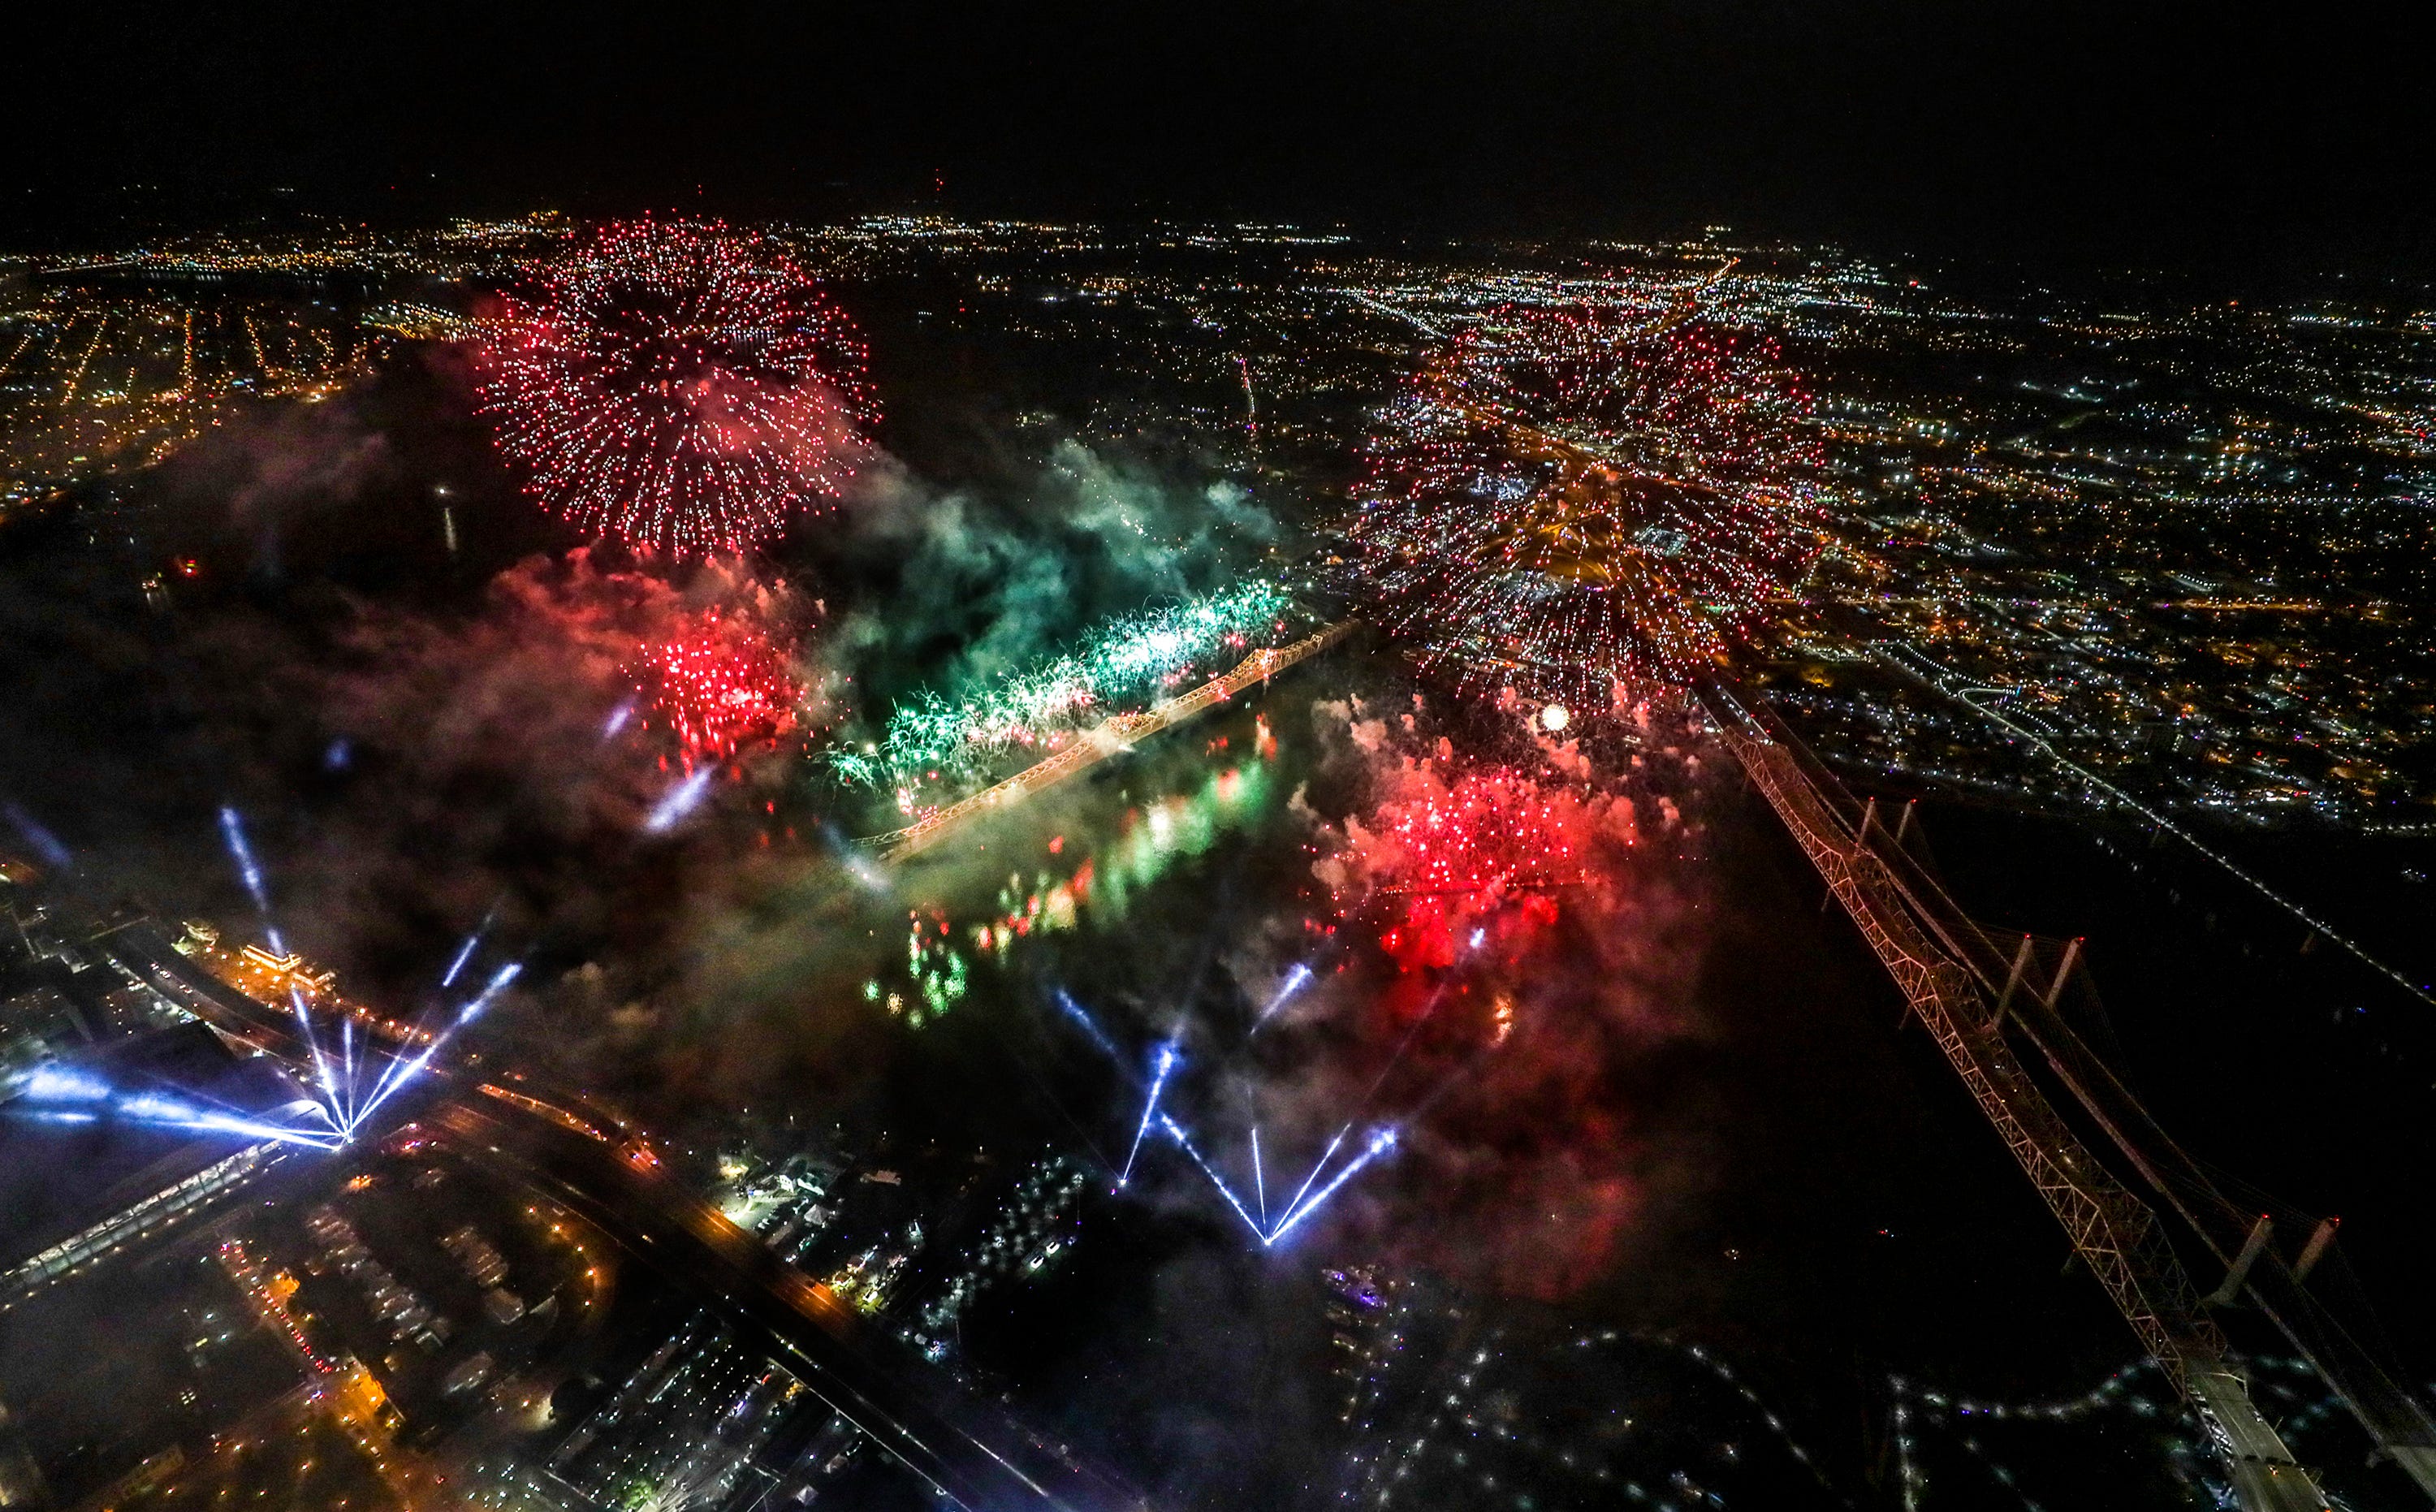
(1968, 992)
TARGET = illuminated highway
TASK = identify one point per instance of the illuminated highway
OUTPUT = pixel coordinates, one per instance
(968, 1452)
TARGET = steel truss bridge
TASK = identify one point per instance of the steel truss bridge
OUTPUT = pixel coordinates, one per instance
(1990, 1004)
(1979, 998)
(1993, 1006)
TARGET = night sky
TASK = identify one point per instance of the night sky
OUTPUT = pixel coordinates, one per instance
(2177, 133)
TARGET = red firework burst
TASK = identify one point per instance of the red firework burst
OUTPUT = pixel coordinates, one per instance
(679, 387)
(719, 684)
(1487, 849)
(1572, 493)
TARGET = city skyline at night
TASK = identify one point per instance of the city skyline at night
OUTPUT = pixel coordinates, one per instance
(1673, 756)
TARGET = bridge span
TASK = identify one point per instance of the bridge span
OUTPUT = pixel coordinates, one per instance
(1976, 996)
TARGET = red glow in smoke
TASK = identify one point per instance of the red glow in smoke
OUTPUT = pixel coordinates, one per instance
(719, 684)
(1491, 852)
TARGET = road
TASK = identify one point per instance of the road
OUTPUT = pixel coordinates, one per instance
(965, 1449)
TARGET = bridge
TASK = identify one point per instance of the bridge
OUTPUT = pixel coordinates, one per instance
(1980, 997)
(1992, 1006)
(1977, 998)
(1110, 737)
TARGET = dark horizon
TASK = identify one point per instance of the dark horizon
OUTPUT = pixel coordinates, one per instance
(2073, 135)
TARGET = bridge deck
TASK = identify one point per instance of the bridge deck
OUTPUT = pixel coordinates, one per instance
(1102, 741)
